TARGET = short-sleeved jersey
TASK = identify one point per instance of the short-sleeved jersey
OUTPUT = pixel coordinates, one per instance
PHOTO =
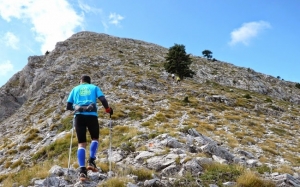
(83, 95)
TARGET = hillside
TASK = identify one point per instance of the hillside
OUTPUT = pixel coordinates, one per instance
(224, 114)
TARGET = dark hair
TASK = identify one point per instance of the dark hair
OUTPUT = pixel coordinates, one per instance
(86, 78)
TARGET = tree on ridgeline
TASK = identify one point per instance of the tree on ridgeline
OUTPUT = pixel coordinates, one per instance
(207, 54)
(178, 62)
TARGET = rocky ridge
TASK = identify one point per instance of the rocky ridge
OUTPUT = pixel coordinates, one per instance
(227, 114)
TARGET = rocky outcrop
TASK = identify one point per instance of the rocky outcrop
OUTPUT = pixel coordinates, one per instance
(175, 163)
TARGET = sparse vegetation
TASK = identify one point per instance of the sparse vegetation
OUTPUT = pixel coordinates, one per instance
(142, 173)
(220, 173)
(186, 180)
(32, 135)
(115, 181)
(250, 179)
(24, 176)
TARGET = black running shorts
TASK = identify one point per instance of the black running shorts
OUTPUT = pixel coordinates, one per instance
(84, 122)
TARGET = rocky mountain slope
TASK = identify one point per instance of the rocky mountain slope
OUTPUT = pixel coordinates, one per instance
(224, 114)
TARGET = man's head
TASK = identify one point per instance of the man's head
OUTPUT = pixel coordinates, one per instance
(86, 78)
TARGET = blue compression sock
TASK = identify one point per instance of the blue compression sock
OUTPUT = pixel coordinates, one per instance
(81, 156)
(93, 148)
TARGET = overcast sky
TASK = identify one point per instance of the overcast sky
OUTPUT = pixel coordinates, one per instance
(256, 34)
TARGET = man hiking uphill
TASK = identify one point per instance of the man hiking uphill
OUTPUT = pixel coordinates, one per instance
(82, 100)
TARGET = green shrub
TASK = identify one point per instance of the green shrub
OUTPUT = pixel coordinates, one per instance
(262, 169)
(269, 100)
(247, 96)
(186, 99)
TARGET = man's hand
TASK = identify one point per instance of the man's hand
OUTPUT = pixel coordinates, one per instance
(109, 110)
(78, 108)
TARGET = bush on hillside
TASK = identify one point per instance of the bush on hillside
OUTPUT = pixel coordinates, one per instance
(178, 62)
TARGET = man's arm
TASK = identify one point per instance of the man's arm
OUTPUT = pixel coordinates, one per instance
(70, 106)
(103, 101)
(105, 105)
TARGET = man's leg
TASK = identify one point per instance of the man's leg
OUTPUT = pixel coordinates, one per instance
(93, 128)
(81, 161)
(81, 136)
(94, 148)
(81, 154)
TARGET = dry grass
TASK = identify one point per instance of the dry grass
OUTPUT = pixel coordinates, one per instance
(17, 163)
(284, 169)
(247, 140)
(264, 159)
(220, 133)
(268, 149)
(233, 117)
(220, 173)
(11, 152)
(242, 102)
(120, 134)
(142, 173)
(295, 160)
(11, 145)
(160, 117)
(24, 176)
(250, 179)
(105, 166)
(115, 182)
(232, 141)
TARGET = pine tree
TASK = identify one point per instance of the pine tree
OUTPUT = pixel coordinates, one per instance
(178, 62)
(207, 53)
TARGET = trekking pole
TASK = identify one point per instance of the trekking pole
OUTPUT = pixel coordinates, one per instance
(70, 146)
(109, 158)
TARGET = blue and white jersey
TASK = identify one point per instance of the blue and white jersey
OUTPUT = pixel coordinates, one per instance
(83, 95)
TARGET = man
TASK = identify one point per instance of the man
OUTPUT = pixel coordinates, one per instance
(82, 100)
